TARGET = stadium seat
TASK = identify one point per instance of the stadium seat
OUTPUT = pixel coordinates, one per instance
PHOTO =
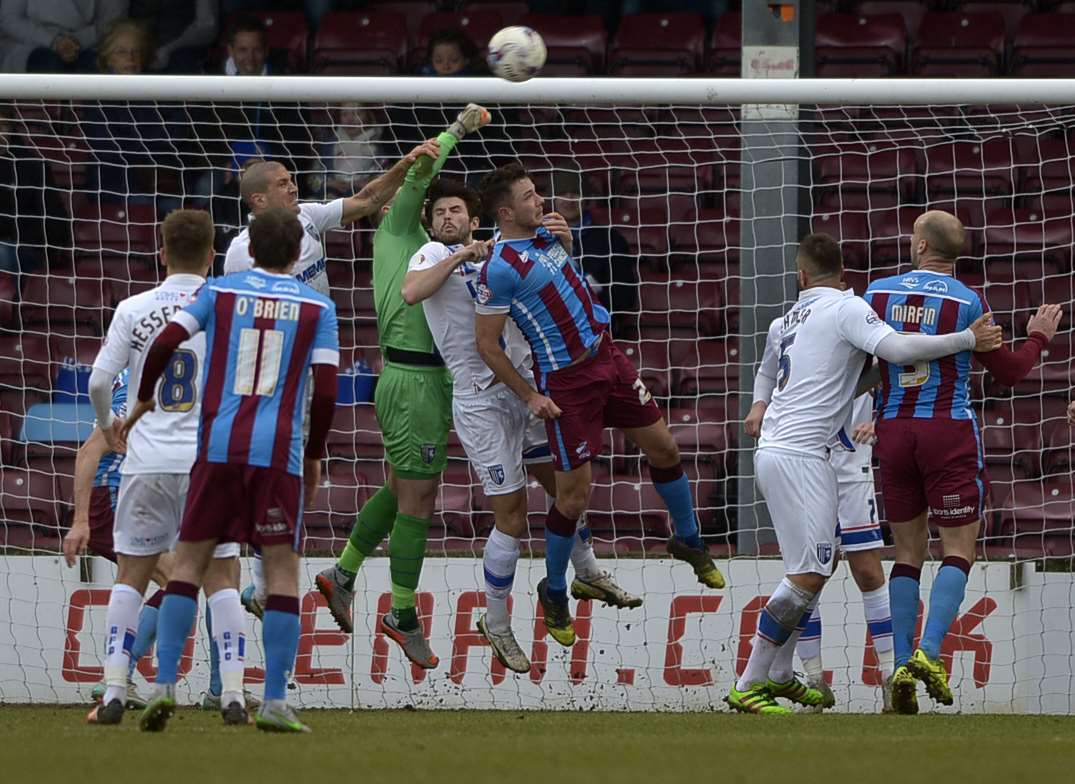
(27, 497)
(871, 168)
(480, 25)
(654, 44)
(1047, 167)
(355, 433)
(686, 308)
(8, 425)
(9, 296)
(890, 237)
(860, 45)
(1042, 45)
(1036, 506)
(699, 440)
(1059, 456)
(1012, 11)
(951, 43)
(25, 372)
(970, 168)
(511, 13)
(575, 44)
(1009, 302)
(1042, 241)
(910, 11)
(653, 363)
(726, 46)
(622, 509)
(116, 229)
(1011, 443)
(716, 234)
(372, 42)
(1054, 371)
(647, 222)
(706, 367)
(58, 299)
(851, 230)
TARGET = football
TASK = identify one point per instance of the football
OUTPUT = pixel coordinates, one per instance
(516, 53)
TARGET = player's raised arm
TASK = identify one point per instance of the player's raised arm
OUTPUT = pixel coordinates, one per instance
(406, 210)
(1010, 367)
(427, 273)
(378, 192)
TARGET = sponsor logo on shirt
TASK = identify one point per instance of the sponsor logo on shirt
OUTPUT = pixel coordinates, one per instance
(937, 286)
(285, 287)
(312, 271)
(910, 282)
(255, 281)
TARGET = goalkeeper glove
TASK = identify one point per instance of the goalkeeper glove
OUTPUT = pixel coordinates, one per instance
(470, 119)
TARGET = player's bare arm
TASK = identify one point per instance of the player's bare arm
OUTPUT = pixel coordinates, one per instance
(422, 284)
(89, 455)
(754, 418)
(864, 433)
(378, 192)
(555, 223)
(488, 328)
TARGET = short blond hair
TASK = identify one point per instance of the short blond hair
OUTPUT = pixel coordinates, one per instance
(147, 42)
(188, 237)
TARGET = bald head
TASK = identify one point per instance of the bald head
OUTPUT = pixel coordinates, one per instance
(938, 236)
(266, 184)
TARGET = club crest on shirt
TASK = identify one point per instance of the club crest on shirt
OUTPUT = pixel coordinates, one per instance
(824, 552)
(484, 294)
(496, 473)
(429, 451)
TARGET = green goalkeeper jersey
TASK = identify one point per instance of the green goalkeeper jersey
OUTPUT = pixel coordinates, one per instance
(396, 240)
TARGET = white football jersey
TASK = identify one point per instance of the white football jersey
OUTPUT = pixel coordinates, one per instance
(316, 219)
(853, 462)
(166, 439)
(822, 343)
(450, 315)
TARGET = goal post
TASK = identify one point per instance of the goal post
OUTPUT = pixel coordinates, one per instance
(692, 207)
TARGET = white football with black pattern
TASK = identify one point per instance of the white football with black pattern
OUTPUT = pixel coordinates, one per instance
(516, 53)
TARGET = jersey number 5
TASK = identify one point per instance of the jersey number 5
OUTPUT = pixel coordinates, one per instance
(178, 392)
(258, 367)
(783, 372)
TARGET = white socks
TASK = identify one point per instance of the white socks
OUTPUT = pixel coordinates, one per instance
(582, 556)
(783, 667)
(879, 622)
(498, 562)
(809, 648)
(776, 623)
(229, 634)
(121, 621)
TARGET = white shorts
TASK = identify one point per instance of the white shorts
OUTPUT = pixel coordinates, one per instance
(148, 514)
(800, 491)
(857, 525)
(501, 437)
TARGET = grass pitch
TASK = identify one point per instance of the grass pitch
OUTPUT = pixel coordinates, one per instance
(45, 744)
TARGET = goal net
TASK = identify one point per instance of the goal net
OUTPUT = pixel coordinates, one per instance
(688, 210)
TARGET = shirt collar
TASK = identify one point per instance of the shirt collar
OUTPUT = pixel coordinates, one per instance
(182, 279)
(823, 291)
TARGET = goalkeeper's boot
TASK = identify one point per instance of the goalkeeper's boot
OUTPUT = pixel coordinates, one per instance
(252, 603)
(932, 673)
(706, 571)
(414, 643)
(135, 701)
(904, 691)
(798, 692)
(278, 716)
(160, 708)
(211, 702)
(112, 713)
(235, 714)
(603, 588)
(756, 699)
(826, 692)
(331, 585)
(557, 615)
(505, 647)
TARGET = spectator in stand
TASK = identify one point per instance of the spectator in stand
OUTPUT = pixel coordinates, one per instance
(145, 150)
(600, 251)
(33, 220)
(355, 149)
(453, 53)
(54, 37)
(184, 31)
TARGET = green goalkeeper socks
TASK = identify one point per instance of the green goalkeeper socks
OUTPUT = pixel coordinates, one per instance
(373, 524)
(406, 550)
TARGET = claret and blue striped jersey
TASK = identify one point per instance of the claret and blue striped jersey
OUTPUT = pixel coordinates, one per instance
(929, 303)
(263, 331)
(535, 281)
(108, 474)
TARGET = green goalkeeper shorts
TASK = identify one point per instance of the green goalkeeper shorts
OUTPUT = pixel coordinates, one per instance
(414, 409)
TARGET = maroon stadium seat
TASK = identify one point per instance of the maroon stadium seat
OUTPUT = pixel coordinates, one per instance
(1009, 302)
(1006, 442)
(1042, 240)
(1059, 457)
(970, 168)
(363, 42)
(511, 13)
(726, 46)
(9, 295)
(28, 497)
(686, 307)
(860, 45)
(627, 509)
(910, 11)
(479, 25)
(658, 44)
(1012, 12)
(706, 367)
(890, 233)
(716, 232)
(699, 440)
(575, 44)
(653, 362)
(1038, 506)
(647, 222)
(1042, 43)
(950, 43)
(116, 229)
(869, 168)
(851, 230)
(51, 300)
(355, 433)
(1048, 168)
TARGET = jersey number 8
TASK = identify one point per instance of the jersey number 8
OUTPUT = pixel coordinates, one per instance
(179, 391)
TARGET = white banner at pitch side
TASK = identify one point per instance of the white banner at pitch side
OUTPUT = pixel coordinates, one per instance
(1011, 650)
